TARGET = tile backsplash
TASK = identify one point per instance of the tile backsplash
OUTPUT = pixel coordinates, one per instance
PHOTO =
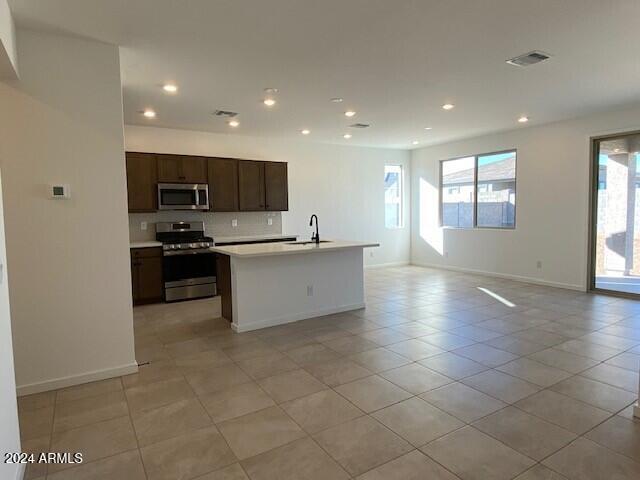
(216, 224)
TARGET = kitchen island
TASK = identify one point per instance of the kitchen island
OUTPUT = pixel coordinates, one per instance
(263, 285)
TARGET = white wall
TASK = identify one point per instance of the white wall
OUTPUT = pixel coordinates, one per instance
(343, 185)
(70, 276)
(9, 433)
(552, 203)
(8, 54)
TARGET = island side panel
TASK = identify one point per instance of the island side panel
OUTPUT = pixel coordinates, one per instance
(272, 290)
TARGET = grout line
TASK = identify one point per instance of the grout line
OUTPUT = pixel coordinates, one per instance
(395, 312)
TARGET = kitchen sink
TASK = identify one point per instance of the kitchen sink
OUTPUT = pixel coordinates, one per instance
(307, 242)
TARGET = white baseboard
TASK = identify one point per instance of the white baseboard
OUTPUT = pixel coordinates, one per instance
(272, 322)
(72, 380)
(386, 265)
(507, 276)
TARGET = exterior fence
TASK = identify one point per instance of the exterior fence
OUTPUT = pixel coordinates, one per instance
(490, 214)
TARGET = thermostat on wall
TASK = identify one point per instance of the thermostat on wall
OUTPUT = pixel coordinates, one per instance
(60, 191)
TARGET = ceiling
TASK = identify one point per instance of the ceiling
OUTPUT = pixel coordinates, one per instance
(395, 62)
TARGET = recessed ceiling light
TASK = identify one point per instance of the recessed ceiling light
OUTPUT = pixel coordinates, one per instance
(269, 102)
(337, 100)
(428, 128)
(305, 131)
(347, 136)
(448, 106)
(270, 90)
(149, 113)
(349, 113)
(523, 119)
(234, 123)
(415, 142)
(170, 88)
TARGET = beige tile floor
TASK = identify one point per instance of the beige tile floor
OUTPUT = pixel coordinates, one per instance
(435, 379)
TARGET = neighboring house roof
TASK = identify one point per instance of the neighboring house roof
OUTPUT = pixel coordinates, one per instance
(496, 171)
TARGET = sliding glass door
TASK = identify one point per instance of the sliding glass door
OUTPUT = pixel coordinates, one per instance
(616, 214)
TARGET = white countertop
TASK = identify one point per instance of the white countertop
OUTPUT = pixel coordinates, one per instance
(252, 238)
(147, 244)
(284, 248)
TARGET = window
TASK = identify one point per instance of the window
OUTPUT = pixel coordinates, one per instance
(479, 191)
(458, 192)
(393, 196)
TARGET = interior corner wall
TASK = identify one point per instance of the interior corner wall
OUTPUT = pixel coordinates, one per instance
(70, 286)
(343, 185)
(9, 432)
(552, 203)
(8, 54)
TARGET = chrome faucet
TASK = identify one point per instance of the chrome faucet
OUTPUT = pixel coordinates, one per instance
(315, 237)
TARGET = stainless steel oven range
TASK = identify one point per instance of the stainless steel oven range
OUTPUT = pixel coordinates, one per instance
(188, 266)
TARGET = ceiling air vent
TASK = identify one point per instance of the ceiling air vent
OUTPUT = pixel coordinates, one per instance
(360, 125)
(225, 113)
(529, 59)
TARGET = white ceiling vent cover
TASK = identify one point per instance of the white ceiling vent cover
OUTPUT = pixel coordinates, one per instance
(360, 125)
(530, 58)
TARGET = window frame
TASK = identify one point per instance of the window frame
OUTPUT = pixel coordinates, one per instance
(475, 191)
(400, 196)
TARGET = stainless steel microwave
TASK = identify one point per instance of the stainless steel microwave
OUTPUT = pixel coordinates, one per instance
(183, 196)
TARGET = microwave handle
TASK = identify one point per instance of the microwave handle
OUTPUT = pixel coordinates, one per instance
(198, 197)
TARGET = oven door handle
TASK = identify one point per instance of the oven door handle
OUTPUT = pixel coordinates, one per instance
(197, 251)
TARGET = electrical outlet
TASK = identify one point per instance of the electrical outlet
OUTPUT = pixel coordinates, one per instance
(269, 221)
(446, 254)
(234, 222)
(370, 254)
(143, 225)
(309, 290)
(539, 264)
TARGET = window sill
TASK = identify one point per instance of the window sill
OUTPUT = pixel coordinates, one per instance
(509, 229)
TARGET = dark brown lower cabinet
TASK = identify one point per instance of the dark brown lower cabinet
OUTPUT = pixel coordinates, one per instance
(223, 280)
(146, 275)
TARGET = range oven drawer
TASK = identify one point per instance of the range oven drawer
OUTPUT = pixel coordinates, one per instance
(190, 291)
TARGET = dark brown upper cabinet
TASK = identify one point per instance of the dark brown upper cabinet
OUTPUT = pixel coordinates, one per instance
(251, 185)
(223, 184)
(182, 169)
(276, 186)
(234, 185)
(142, 177)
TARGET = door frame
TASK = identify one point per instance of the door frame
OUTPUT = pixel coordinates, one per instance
(593, 214)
